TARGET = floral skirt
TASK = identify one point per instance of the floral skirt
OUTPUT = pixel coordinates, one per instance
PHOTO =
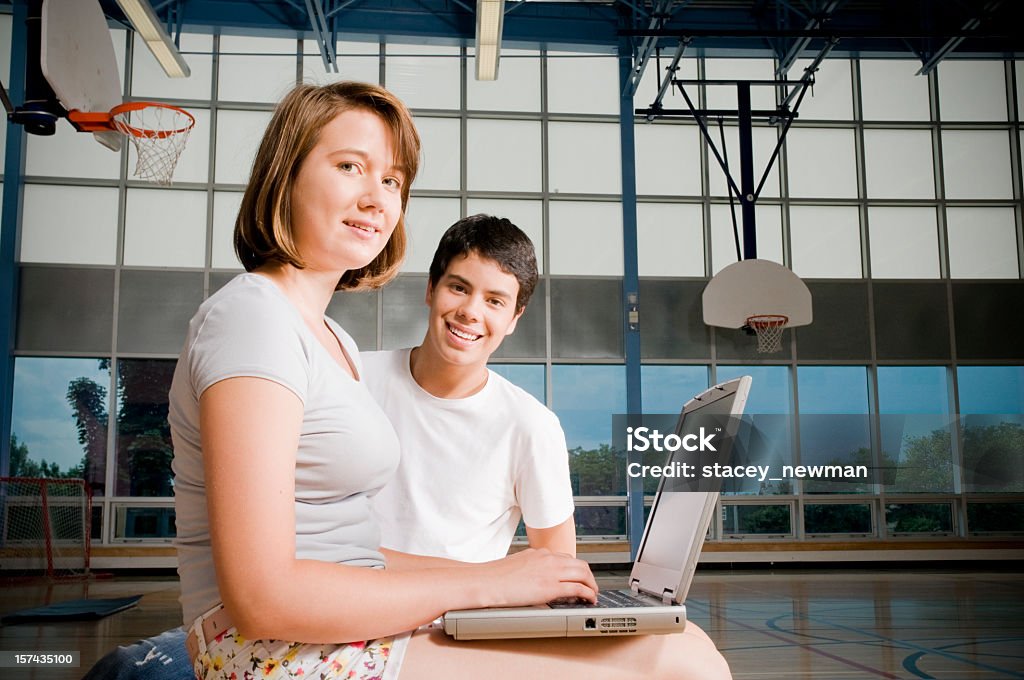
(230, 656)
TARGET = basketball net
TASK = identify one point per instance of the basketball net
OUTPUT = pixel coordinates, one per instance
(768, 328)
(158, 133)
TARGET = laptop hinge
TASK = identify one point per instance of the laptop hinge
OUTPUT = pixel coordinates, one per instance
(634, 585)
(668, 596)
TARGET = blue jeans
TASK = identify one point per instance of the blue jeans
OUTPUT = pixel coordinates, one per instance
(162, 657)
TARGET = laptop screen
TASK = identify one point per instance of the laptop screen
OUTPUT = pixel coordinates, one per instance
(670, 539)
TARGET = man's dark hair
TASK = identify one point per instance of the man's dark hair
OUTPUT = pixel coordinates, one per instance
(492, 238)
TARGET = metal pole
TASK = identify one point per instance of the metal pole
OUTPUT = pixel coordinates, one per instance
(747, 198)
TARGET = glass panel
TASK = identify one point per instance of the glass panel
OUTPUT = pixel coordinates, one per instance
(77, 225)
(911, 320)
(256, 69)
(440, 144)
(154, 308)
(837, 518)
(904, 243)
(840, 328)
(834, 425)
(598, 520)
(584, 158)
(672, 324)
(583, 83)
(502, 155)
(914, 406)
(529, 377)
(424, 76)
(518, 88)
(972, 90)
(768, 221)
(403, 312)
(165, 228)
(995, 517)
(890, 90)
(976, 164)
(238, 137)
(810, 174)
(52, 300)
(765, 438)
(356, 61)
(670, 239)
(70, 154)
(574, 224)
(225, 211)
(664, 389)
(426, 219)
(59, 419)
(144, 448)
(764, 140)
(150, 82)
(527, 215)
(825, 241)
(584, 398)
(5, 39)
(982, 243)
(919, 518)
(896, 161)
(144, 522)
(992, 412)
(586, 318)
(831, 98)
(757, 520)
(668, 160)
(724, 96)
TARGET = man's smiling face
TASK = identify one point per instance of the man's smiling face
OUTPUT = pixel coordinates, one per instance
(472, 309)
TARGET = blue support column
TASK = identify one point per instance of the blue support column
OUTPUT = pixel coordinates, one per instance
(630, 288)
(14, 168)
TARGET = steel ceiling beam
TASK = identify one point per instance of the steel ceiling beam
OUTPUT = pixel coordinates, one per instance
(660, 16)
(322, 34)
(969, 26)
(820, 16)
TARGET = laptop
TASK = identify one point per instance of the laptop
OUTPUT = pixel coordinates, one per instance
(665, 563)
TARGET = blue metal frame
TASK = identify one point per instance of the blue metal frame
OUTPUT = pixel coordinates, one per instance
(630, 287)
(14, 190)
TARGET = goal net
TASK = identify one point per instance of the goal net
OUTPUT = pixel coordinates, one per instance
(45, 525)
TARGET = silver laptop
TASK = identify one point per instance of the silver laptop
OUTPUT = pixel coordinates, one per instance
(665, 563)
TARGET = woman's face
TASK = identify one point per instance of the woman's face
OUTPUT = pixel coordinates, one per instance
(347, 197)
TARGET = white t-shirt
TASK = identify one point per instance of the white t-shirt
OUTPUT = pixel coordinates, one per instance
(346, 450)
(470, 467)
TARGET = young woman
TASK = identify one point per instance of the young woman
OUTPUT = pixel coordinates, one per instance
(278, 446)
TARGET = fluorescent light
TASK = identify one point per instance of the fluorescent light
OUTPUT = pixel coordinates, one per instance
(490, 17)
(149, 28)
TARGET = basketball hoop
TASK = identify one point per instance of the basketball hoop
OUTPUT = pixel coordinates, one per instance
(158, 132)
(768, 328)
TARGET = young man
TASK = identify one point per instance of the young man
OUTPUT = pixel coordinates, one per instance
(478, 452)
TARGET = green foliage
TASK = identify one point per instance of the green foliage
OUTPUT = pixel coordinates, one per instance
(760, 519)
(994, 457)
(23, 466)
(597, 472)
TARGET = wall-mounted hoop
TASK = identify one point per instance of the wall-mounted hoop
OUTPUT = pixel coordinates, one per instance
(158, 132)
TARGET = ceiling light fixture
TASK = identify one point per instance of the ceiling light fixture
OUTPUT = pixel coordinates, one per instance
(490, 18)
(148, 25)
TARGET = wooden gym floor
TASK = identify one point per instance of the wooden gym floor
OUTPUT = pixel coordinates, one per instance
(831, 624)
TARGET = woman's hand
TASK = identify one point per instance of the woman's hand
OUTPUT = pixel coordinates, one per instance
(539, 576)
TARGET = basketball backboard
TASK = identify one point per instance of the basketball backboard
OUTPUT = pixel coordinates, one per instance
(751, 288)
(77, 59)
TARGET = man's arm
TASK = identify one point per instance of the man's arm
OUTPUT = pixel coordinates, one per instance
(400, 561)
(560, 538)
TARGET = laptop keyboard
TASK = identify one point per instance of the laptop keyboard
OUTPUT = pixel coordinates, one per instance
(606, 598)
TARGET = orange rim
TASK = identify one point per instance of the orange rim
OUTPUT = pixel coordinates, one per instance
(759, 321)
(128, 107)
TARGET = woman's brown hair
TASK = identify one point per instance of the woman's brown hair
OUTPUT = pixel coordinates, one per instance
(263, 229)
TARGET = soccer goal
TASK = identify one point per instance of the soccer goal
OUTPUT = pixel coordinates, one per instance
(45, 526)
